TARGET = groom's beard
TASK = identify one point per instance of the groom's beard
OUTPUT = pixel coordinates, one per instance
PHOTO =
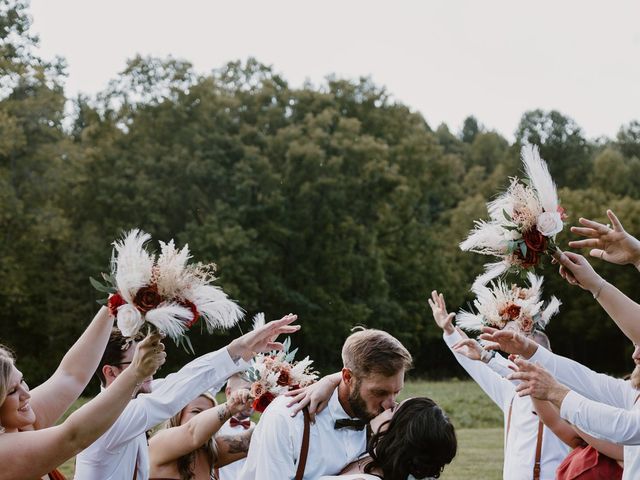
(358, 405)
(635, 378)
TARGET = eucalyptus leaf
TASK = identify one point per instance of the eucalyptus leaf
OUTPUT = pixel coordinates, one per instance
(98, 286)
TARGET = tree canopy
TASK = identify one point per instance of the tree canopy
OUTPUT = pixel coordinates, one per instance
(334, 202)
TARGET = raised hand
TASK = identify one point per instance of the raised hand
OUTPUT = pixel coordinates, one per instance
(614, 245)
(263, 338)
(538, 382)
(576, 270)
(439, 309)
(148, 357)
(508, 341)
(470, 348)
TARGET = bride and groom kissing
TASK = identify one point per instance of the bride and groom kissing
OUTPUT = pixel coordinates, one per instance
(362, 434)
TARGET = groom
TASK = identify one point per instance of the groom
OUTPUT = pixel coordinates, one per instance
(373, 370)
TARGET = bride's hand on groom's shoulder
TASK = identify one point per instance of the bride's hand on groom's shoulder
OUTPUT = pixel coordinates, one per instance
(315, 397)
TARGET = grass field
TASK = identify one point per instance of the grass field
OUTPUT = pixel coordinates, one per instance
(478, 426)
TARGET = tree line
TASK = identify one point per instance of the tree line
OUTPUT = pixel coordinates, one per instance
(334, 201)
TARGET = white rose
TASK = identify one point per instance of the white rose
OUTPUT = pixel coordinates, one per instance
(550, 223)
(129, 320)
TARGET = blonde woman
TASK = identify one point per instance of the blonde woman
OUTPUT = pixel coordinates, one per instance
(187, 450)
(28, 449)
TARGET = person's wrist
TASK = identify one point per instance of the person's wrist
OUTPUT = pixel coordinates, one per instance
(530, 349)
(237, 350)
(597, 289)
(558, 394)
(448, 329)
(487, 355)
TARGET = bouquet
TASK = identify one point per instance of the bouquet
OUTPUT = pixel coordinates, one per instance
(164, 291)
(274, 373)
(510, 307)
(523, 224)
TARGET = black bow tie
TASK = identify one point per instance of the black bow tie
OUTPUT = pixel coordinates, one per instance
(354, 423)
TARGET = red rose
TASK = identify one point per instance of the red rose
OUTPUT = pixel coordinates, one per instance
(114, 302)
(512, 311)
(263, 401)
(147, 298)
(534, 240)
(194, 310)
(284, 378)
(530, 260)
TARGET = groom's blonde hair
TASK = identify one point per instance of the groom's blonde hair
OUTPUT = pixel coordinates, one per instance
(370, 351)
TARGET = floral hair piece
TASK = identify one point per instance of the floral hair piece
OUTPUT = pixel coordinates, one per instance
(274, 373)
(511, 307)
(523, 224)
(164, 291)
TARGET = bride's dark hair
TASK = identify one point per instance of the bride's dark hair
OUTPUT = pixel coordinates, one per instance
(419, 440)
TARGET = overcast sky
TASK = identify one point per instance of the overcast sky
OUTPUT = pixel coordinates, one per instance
(447, 59)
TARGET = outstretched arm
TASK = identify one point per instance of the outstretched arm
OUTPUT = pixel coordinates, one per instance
(34, 453)
(51, 399)
(549, 414)
(170, 444)
(233, 447)
(622, 310)
(576, 376)
(494, 385)
(619, 425)
(613, 245)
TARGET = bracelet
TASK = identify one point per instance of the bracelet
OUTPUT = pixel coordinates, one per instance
(487, 355)
(597, 294)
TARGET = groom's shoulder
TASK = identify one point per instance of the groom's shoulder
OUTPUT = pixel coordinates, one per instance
(279, 408)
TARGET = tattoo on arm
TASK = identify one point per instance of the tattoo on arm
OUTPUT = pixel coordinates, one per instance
(237, 443)
(222, 413)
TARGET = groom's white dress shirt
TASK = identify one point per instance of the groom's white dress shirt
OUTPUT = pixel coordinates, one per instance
(520, 442)
(276, 441)
(602, 406)
(123, 449)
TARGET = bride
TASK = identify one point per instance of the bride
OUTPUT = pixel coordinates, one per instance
(414, 440)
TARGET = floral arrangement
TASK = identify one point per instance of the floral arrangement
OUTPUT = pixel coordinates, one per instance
(524, 222)
(511, 307)
(166, 292)
(274, 373)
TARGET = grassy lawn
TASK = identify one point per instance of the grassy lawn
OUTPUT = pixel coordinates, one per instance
(478, 424)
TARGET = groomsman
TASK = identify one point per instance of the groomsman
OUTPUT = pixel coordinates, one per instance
(236, 426)
(374, 364)
(598, 404)
(122, 452)
(531, 450)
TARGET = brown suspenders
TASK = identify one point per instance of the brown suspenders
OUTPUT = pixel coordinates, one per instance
(536, 465)
(304, 449)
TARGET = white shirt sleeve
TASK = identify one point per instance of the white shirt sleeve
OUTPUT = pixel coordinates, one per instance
(177, 389)
(596, 386)
(499, 389)
(271, 453)
(617, 425)
(501, 366)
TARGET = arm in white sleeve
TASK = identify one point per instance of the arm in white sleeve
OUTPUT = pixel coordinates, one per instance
(617, 425)
(177, 389)
(271, 453)
(593, 385)
(499, 389)
(501, 366)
